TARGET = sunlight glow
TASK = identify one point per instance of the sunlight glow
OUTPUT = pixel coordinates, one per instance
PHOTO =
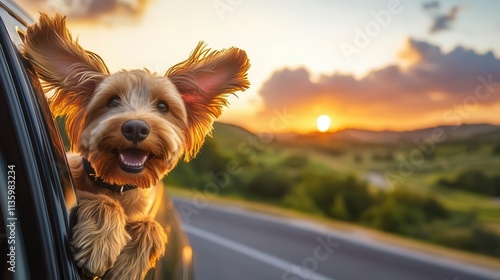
(323, 123)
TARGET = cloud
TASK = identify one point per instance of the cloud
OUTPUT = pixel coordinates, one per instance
(441, 21)
(430, 81)
(91, 9)
(430, 5)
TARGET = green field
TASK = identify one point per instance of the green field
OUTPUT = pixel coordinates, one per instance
(394, 186)
(348, 180)
(448, 162)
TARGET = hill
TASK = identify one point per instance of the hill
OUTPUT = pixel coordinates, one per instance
(229, 135)
(483, 132)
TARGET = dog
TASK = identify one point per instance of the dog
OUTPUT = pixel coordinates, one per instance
(127, 131)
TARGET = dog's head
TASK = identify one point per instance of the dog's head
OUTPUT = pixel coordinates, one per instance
(132, 126)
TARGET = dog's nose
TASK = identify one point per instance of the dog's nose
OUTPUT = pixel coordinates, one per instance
(135, 130)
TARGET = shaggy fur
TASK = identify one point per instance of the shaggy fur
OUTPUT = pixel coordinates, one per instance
(114, 237)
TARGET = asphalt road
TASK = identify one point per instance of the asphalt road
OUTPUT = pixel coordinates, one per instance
(235, 244)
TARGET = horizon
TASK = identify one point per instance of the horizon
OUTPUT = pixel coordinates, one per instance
(330, 131)
(376, 65)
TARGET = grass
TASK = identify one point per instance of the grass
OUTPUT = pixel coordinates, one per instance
(449, 161)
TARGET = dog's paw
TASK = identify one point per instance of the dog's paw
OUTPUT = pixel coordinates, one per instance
(99, 234)
(141, 253)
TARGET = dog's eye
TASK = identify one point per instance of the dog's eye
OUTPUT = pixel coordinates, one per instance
(163, 107)
(114, 102)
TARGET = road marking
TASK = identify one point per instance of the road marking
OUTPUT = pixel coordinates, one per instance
(283, 265)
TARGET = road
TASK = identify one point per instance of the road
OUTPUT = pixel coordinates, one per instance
(231, 243)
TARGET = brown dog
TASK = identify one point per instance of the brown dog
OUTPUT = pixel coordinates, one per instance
(127, 131)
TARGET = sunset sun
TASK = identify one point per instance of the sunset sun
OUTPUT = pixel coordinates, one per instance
(323, 123)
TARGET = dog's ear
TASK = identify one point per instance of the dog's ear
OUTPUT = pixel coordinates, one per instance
(62, 63)
(204, 80)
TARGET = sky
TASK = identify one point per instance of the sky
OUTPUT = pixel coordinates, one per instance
(379, 64)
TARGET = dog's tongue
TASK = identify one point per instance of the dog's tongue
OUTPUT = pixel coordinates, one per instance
(133, 157)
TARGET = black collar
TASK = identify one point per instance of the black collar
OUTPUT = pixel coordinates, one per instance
(100, 183)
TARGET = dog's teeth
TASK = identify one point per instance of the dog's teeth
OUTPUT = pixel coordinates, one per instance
(137, 164)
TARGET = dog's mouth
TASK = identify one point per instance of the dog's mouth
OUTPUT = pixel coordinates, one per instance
(132, 160)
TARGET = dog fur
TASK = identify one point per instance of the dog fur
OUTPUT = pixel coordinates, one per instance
(114, 237)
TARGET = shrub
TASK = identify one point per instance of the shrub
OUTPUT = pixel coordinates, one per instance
(358, 158)
(356, 196)
(388, 156)
(299, 199)
(496, 150)
(476, 239)
(295, 161)
(396, 217)
(195, 174)
(474, 181)
(405, 213)
(327, 191)
(430, 207)
(269, 184)
(209, 159)
(338, 209)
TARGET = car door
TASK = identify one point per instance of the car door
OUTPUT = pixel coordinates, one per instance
(35, 183)
(36, 191)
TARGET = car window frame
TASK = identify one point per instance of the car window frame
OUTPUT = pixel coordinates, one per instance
(40, 156)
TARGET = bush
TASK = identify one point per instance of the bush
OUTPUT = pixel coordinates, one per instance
(195, 174)
(295, 161)
(327, 191)
(496, 183)
(476, 239)
(496, 150)
(396, 217)
(356, 196)
(184, 176)
(299, 199)
(474, 181)
(338, 209)
(431, 208)
(358, 158)
(209, 159)
(269, 184)
(405, 213)
(387, 156)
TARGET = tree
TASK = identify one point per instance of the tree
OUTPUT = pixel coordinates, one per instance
(269, 184)
(338, 209)
(473, 181)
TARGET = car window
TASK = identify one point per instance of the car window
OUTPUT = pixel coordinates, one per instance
(14, 26)
(36, 190)
(12, 19)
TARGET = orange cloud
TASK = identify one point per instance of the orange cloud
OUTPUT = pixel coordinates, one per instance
(432, 83)
(91, 10)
